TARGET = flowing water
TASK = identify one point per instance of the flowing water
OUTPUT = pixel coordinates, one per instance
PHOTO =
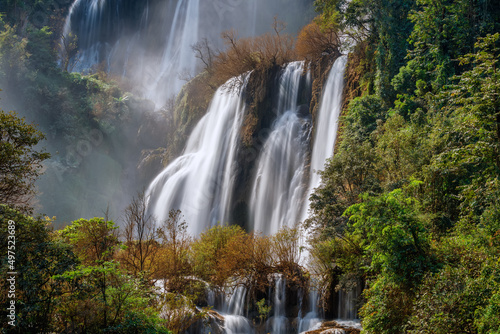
(278, 323)
(200, 181)
(234, 316)
(326, 124)
(312, 318)
(323, 147)
(150, 42)
(118, 36)
(278, 189)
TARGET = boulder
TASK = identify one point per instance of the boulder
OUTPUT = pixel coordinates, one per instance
(333, 327)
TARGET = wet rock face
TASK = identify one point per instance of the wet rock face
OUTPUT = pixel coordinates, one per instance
(214, 324)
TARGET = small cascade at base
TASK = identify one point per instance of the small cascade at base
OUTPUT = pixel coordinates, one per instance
(347, 305)
(312, 318)
(234, 319)
(278, 323)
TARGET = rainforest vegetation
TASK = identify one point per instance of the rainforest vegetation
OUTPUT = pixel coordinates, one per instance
(408, 210)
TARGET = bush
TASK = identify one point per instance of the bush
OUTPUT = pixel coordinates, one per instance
(256, 53)
(446, 303)
(221, 253)
(20, 162)
(313, 42)
(387, 308)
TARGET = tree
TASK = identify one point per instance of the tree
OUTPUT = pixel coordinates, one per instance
(313, 41)
(396, 247)
(175, 265)
(69, 50)
(38, 256)
(20, 162)
(254, 53)
(141, 247)
(221, 254)
(469, 125)
(94, 240)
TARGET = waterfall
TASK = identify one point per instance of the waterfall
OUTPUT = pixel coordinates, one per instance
(234, 319)
(324, 144)
(278, 190)
(149, 42)
(178, 57)
(119, 34)
(326, 124)
(200, 181)
(312, 318)
(347, 305)
(278, 323)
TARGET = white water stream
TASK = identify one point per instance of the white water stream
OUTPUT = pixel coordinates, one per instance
(200, 181)
(278, 189)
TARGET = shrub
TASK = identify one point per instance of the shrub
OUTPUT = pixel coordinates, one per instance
(255, 53)
(222, 253)
(313, 42)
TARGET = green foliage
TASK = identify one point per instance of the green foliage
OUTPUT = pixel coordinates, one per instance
(138, 323)
(427, 250)
(20, 162)
(263, 309)
(13, 54)
(487, 319)
(102, 298)
(402, 150)
(470, 132)
(362, 116)
(93, 240)
(39, 47)
(387, 308)
(392, 234)
(38, 257)
(180, 312)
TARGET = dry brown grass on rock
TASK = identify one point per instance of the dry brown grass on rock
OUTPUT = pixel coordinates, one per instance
(254, 53)
(314, 41)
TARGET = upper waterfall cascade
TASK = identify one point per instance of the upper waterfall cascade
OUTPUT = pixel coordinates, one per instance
(201, 181)
(150, 42)
(117, 35)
